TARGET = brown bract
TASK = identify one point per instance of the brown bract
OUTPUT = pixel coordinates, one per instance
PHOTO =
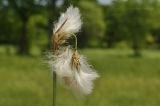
(59, 37)
(75, 62)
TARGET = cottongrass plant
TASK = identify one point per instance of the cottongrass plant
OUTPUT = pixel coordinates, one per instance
(68, 66)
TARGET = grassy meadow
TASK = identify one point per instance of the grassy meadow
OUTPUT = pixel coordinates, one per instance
(124, 80)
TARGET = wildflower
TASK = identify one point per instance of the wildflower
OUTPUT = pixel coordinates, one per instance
(71, 68)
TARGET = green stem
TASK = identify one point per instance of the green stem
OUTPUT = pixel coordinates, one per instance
(54, 88)
(54, 81)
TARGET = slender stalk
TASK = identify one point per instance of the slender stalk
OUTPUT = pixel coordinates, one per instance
(54, 75)
(54, 88)
(75, 37)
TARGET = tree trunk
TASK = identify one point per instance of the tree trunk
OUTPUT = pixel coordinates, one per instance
(110, 40)
(52, 14)
(23, 48)
(136, 47)
(110, 43)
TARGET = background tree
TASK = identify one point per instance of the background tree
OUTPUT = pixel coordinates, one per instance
(24, 9)
(114, 18)
(94, 24)
(137, 24)
(129, 21)
(52, 15)
(155, 16)
(9, 26)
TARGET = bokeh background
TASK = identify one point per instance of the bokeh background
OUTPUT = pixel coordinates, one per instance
(120, 38)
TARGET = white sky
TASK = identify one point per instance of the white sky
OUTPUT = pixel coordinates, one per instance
(59, 2)
(105, 1)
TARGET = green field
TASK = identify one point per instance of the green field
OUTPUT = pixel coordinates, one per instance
(124, 81)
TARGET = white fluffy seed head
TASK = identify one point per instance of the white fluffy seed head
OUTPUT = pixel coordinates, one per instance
(69, 22)
(79, 81)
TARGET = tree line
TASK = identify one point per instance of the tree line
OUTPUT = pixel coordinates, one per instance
(28, 23)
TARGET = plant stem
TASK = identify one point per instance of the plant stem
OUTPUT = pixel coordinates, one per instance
(54, 89)
(54, 75)
(75, 40)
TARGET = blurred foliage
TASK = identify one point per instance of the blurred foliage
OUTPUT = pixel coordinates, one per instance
(136, 24)
(28, 23)
(114, 16)
(130, 21)
(93, 25)
(37, 31)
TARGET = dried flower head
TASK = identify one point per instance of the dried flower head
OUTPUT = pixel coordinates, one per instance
(73, 71)
(71, 68)
(75, 62)
(68, 24)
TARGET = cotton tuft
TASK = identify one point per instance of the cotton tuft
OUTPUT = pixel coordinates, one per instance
(79, 81)
(71, 68)
(69, 22)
